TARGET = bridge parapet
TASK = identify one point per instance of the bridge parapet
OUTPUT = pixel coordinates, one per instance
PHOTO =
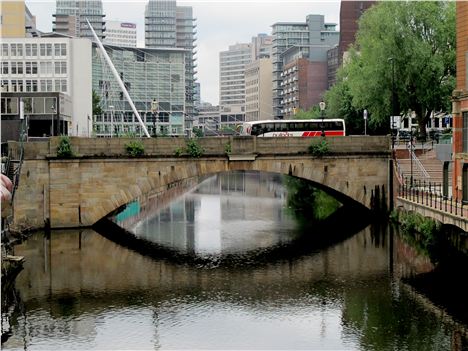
(212, 146)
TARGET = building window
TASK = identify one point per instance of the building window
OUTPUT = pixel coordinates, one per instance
(5, 52)
(34, 50)
(465, 131)
(9, 106)
(5, 69)
(43, 49)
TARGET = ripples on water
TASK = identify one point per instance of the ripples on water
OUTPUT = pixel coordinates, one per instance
(291, 287)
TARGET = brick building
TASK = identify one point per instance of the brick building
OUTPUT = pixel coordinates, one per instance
(460, 107)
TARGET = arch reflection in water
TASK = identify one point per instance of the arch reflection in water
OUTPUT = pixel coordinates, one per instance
(216, 219)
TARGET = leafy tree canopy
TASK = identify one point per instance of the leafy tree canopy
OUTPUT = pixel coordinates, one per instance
(412, 42)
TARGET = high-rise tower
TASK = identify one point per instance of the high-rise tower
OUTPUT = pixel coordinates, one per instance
(169, 25)
(70, 18)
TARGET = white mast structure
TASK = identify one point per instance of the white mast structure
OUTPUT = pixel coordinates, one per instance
(117, 77)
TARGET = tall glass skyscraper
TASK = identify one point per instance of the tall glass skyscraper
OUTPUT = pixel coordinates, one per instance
(155, 80)
(168, 25)
(70, 18)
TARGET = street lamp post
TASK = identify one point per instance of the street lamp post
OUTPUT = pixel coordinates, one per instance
(322, 106)
(393, 102)
(54, 110)
(154, 107)
(365, 121)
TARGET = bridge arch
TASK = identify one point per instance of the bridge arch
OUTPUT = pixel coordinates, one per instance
(97, 189)
(78, 192)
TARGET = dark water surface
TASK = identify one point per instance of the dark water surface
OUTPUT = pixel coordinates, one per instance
(286, 285)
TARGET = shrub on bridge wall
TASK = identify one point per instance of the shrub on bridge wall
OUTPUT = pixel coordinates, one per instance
(135, 148)
(319, 149)
(228, 148)
(64, 149)
(192, 148)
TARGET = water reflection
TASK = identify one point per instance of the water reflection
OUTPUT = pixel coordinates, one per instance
(82, 291)
(331, 286)
(227, 213)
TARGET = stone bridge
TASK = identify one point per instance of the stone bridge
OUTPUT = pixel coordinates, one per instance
(101, 177)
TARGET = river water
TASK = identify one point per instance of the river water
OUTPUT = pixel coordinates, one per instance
(229, 266)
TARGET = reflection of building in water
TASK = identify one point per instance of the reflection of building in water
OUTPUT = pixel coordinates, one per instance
(228, 212)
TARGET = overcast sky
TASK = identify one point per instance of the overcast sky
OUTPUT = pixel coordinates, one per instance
(219, 24)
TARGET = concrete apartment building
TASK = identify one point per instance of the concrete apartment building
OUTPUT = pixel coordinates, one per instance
(149, 75)
(258, 93)
(460, 107)
(121, 34)
(51, 75)
(310, 40)
(232, 64)
(70, 18)
(170, 26)
(244, 86)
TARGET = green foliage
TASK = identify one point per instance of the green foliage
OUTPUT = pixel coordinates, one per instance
(228, 148)
(64, 148)
(197, 132)
(312, 113)
(97, 110)
(135, 148)
(422, 233)
(412, 42)
(179, 151)
(192, 148)
(308, 202)
(319, 149)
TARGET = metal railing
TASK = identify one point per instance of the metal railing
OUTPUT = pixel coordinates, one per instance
(430, 194)
(415, 159)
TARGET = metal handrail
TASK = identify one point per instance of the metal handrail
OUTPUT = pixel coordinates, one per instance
(419, 164)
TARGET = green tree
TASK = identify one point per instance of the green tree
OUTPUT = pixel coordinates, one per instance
(312, 113)
(198, 132)
(339, 104)
(412, 41)
(97, 110)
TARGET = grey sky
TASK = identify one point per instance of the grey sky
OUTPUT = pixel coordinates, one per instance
(219, 24)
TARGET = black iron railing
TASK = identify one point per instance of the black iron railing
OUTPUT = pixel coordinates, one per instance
(431, 194)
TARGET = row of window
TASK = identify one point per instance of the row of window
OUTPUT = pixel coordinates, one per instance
(33, 85)
(35, 105)
(45, 68)
(32, 50)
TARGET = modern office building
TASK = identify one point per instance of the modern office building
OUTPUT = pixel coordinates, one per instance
(197, 94)
(37, 70)
(152, 77)
(460, 107)
(258, 93)
(261, 46)
(230, 118)
(170, 26)
(70, 18)
(232, 64)
(121, 34)
(208, 119)
(312, 39)
(333, 64)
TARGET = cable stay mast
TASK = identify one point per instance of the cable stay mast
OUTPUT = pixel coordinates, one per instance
(119, 80)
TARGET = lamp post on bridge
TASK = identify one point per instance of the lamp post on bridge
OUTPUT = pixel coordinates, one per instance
(154, 108)
(365, 121)
(322, 106)
(392, 129)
